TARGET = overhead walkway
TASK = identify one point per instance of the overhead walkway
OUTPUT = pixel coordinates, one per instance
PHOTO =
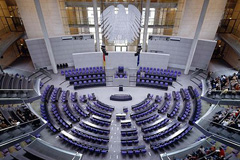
(6, 40)
(232, 41)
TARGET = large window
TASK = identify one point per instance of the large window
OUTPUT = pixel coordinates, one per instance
(78, 17)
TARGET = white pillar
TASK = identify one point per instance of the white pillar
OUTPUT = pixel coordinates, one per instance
(196, 36)
(95, 13)
(45, 36)
(146, 25)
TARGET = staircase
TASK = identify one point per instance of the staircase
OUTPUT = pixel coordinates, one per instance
(42, 74)
(197, 75)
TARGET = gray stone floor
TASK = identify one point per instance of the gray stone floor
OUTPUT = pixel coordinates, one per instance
(138, 94)
(103, 94)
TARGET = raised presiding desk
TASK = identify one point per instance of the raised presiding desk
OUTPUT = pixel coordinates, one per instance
(86, 146)
(133, 150)
(121, 97)
(94, 128)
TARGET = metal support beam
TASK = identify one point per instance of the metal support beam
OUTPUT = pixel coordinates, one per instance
(196, 36)
(96, 24)
(146, 25)
(45, 36)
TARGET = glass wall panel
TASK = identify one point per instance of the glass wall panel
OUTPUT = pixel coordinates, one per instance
(164, 17)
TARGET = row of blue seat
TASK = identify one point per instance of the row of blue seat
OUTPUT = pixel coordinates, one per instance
(83, 98)
(78, 71)
(185, 94)
(158, 99)
(88, 136)
(149, 97)
(64, 97)
(197, 107)
(80, 110)
(92, 97)
(129, 132)
(155, 78)
(161, 132)
(94, 128)
(129, 142)
(51, 125)
(155, 125)
(175, 108)
(47, 93)
(73, 97)
(144, 112)
(185, 111)
(147, 119)
(126, 123)
(100, 121)
(85, 146)
(104, 106)
(56, 94)
(89, 83)
(164, 107)
(171, 139)
(176, 95)
(44, 109)
(98, 112)
(145, 104)
(134, 150)
(59, 118)
(152, 83)
(158, 71)
(69, 113)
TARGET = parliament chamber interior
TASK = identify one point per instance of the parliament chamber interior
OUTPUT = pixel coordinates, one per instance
(119, 79)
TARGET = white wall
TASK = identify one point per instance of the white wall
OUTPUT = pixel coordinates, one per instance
(51, 13)
(62, 49)
(87, 59)
(191, 15)
(126, 59)
(179, 51)
(232, 58)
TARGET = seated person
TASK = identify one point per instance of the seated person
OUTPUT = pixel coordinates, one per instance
(221, 152)
(233, 82)
(3, 125)
(201, 151)
(212, 149)
(190, 157)
(20, 114)
(31, 116)
(237, 87)
(227, 122)
(223, 79)
(1, 117)
(225, 88)
(235, 113)
(12, 121)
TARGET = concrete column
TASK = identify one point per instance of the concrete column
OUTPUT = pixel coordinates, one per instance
(196, 36)
(96, 24)
(45, 36)
(147, 10)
